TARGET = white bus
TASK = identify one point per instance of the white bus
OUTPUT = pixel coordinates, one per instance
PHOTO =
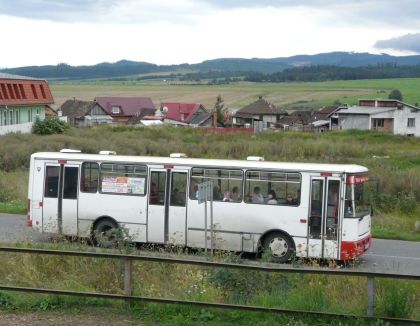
(309, 210)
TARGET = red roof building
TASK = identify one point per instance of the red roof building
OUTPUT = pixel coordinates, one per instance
(17, 90)
(22, 101)
(121, 109)
(188, 113)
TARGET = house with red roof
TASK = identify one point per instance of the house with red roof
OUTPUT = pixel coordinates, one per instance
(122, 109)
(22, 100)
(192, 114)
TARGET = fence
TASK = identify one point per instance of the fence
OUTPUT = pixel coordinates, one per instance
(224, 131)
(128, 288)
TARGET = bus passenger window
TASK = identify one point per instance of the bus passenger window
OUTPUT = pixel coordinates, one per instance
(90, 177)
(51, 181)
(272, 188)
(227, 184)
(71, 175)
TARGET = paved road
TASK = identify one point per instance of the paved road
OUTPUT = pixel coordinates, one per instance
(386, 256)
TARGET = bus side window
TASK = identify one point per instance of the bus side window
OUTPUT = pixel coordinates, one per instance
(51, 181)
(90, 177)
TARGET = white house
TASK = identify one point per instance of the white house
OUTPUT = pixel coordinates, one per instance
(392, 116)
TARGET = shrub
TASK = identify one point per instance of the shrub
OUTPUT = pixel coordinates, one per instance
(49, 126)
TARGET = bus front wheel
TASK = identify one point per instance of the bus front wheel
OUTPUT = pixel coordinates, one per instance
(279, 246)
(105, 233)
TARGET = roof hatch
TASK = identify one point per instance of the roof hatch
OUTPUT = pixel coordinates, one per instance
(255, 158)
(178, 155)
(69, 150)
(107, 153)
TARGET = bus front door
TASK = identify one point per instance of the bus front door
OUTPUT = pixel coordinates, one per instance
(167, 211)
(60, 204)
(324, 218)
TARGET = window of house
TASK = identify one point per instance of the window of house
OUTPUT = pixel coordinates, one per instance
(34, 91)
(115, 110)
(4, 91)
(22, 91)
(10, 89)
(42, 91)
(123, 179)
(227, 184)
(10, 117)
(17, 92)
(377, 123)
(278, 188)
(411, 122)
(17, 117)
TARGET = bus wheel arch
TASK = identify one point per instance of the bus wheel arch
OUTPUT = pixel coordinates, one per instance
(103, 232)
(280, 243)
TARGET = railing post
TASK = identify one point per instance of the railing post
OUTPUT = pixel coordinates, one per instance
(128, 274)
(371, 296)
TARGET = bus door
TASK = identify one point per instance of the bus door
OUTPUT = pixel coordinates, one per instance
(167, 211)
(60, 204)
(324, 218)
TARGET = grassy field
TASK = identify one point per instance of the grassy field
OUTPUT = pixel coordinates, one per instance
(238, 94)
(394, 298)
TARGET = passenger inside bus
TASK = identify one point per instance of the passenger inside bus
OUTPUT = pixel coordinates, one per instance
(257, 198)
(228, 196)
(154, 194)
(271, 198)
(235, 194)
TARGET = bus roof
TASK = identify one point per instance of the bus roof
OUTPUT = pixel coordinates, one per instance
(245, 164)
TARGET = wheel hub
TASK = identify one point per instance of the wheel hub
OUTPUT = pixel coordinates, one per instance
(278, 247)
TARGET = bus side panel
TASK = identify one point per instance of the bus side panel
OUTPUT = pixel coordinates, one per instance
(234, 224)
(36, 191)
(124, 209)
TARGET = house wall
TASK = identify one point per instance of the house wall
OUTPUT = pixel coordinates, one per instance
(401, 121)
(354, 121)
(19, 118)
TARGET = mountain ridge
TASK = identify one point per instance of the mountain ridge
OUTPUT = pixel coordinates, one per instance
(123, 68)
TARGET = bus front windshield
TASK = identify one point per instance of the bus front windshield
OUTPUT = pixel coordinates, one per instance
(357, 201)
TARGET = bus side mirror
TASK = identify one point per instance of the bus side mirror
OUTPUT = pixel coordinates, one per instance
(371, 211)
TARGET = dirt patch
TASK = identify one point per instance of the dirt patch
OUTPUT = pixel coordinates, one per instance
(73, 318)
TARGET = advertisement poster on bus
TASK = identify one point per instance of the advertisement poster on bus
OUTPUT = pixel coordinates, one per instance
(123, 185)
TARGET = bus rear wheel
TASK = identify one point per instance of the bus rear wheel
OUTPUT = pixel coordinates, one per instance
(105, 233)
(280, 246)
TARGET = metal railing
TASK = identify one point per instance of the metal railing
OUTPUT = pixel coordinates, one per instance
(128, 281)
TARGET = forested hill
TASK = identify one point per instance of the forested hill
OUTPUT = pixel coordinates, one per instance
(324, 73)
(237, 66)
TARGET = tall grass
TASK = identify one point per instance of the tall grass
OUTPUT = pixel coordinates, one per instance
(294, 291)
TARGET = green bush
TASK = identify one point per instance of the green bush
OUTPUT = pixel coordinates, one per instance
(49, 126)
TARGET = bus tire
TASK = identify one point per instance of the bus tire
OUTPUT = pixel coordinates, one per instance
(280, 246)
(105, 233)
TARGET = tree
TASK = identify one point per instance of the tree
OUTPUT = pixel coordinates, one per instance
(219, 108)
(395, 95)
(49, 126)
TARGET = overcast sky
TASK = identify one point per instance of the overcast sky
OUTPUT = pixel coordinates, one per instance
(79, 32)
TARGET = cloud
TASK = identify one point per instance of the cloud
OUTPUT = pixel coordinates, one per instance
(382, 12)
(408, 42)
(103, 11)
